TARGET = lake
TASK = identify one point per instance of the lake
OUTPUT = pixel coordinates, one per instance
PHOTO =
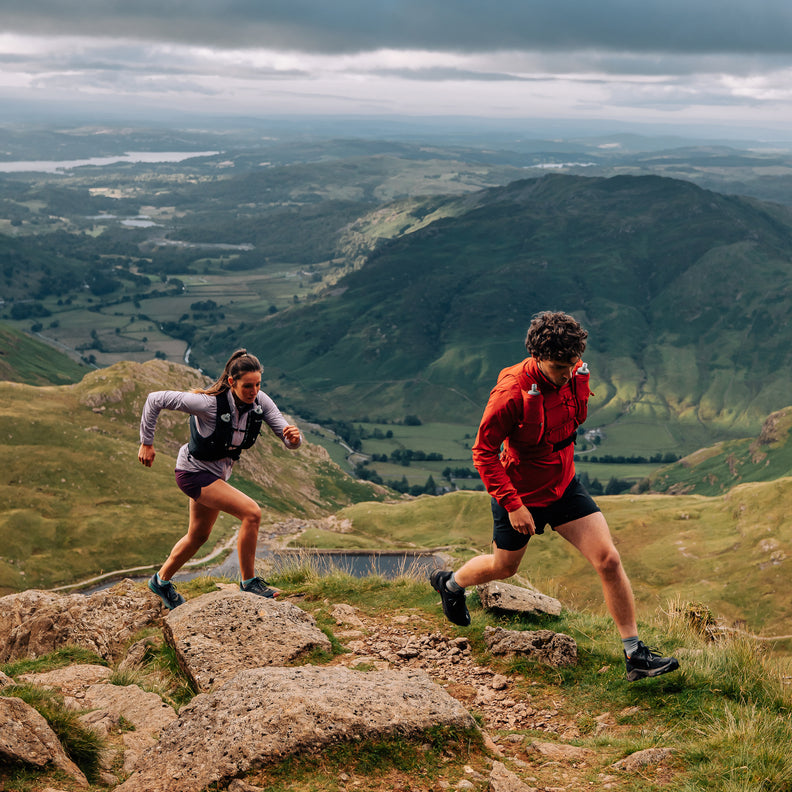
(53, 166)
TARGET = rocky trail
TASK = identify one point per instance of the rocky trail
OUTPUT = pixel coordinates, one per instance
(261, 699)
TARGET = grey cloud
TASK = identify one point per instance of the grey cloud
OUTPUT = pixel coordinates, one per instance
(675, 26)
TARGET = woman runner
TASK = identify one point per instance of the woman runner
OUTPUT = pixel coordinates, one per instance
(224, 419)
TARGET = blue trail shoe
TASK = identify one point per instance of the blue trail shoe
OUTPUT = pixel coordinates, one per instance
(259, 587)
(645, 662)
(454, 605)
(166, 592)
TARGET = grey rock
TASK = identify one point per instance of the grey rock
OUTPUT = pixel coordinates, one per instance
(221, 633)
(641, 759)
(516, 599)
(265, 714)
(503, 780)
(147, 712)
(72, 680)
(34, 623)
(27, 737)
(560, 751)
(238, 785)
(552, 648)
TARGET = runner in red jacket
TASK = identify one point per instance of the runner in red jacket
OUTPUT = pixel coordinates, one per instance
(532, 414)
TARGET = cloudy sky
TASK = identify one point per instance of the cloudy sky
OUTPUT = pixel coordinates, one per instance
(722, 62)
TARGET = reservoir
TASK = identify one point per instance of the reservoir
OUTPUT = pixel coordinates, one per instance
(357, 563)
(53, 166)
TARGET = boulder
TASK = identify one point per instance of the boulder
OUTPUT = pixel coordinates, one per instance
(221, 633)
(552, 648)
(640, 759)
(503, 780)
(509, 598)
(147, 712)
(27, 737)
(266, 714)
(562, 752)
(34, 623)
(71, 680)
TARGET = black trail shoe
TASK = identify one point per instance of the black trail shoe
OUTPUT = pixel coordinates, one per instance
(259, 587)
(454, 605)
(166, 592)
(644, 662)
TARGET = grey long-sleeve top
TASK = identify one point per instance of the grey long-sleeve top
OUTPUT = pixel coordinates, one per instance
(204, 408)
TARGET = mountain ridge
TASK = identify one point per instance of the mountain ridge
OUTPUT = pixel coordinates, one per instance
(439, 306)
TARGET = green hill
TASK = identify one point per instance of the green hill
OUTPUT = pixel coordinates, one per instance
(75, 502)
(732, 552)
(23, 359)
(685, 293)
(718, 468)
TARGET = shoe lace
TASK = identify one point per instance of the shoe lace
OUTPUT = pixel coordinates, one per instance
(169, 590)
(257, 584)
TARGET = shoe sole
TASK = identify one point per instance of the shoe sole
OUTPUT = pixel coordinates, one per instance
(637, 673)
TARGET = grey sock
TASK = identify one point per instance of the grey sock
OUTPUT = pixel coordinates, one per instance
(452, 585)
(630, 645)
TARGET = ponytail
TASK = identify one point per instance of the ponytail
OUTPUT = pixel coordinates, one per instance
(238, 364)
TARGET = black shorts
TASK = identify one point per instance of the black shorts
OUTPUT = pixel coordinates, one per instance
(573, 504)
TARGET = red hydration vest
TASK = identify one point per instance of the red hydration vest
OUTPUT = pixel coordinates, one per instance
(536, 423)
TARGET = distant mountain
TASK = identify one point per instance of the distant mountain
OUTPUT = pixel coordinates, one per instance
(685, 292)
(75, 501)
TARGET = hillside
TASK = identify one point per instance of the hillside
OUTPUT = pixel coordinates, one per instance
(732, 552)
(24, 359)
(74, 500)
(685, 293)
(718, 468)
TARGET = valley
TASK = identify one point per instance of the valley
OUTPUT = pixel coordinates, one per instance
(384, 284)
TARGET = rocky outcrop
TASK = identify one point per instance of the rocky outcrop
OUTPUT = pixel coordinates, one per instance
(267, 714)
(503, 780)
(639, 760)
(219, 634)
(27, 737)
(508, 598)
(555, 649)
(33, 623)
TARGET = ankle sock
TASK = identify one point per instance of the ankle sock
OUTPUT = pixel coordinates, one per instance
(248, 581)
(452, 585)
(160, 581)
(630, 645)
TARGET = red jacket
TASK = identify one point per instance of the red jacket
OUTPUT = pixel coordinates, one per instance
(530, 471)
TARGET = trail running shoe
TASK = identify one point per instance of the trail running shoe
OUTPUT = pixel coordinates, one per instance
(454, 605)
(259, 587)
(645, 662)
(166, 592)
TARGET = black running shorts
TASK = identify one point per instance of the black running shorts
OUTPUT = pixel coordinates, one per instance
(573, 504)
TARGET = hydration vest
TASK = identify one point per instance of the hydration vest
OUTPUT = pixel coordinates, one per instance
(218, 445)
(551, 418)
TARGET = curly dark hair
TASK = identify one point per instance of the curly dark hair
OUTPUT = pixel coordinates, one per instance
(554, 335)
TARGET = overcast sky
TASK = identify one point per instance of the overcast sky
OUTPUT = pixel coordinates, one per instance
(720, 62)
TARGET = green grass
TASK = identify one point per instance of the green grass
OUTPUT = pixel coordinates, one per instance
(729, 551)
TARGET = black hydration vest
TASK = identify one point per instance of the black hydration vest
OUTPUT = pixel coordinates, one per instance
(218, 444)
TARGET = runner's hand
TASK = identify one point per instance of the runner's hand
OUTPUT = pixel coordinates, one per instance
(291, 434)
(522, 521)
(146, 455)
